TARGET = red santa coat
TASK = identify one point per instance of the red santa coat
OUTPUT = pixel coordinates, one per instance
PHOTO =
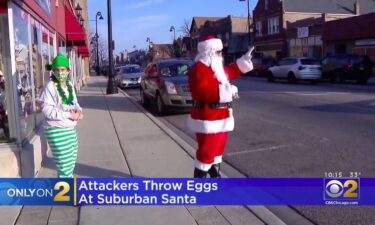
(204, 87)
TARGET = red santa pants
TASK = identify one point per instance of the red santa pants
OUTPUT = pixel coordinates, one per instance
(210, 149)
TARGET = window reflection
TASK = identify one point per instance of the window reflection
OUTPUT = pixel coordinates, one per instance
(45, 54)
(23, 76)
(37, 67)
(4, 125)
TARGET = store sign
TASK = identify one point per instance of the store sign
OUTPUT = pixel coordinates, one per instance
(302, 32)
(45, 5)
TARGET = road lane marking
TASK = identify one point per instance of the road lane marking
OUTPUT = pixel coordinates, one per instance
(304, 93)
(262, 149)
(314, 93)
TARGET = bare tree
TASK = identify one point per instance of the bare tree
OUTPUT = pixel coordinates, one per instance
(185, 28)
(102, 48)
(103, 51)
(92, 48)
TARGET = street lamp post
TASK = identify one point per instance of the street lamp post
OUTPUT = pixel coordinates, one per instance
(175, 53)
(111, 86)
(174, 32)
(248, 19)
(98, 14)
(149, 48)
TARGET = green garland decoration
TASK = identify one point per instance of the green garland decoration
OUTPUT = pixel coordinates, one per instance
(64, 99)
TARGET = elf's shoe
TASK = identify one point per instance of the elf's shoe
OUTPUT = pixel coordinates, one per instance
(214, 171)
(200, 173)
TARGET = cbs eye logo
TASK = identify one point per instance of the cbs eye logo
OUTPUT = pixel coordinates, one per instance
(347, 189)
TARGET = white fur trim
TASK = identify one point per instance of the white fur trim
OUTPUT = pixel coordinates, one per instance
(211, 126)
(244, 65)
(206, 61)
(206, 166)
(218, 159)
(214, 44)
(225, 93)
(202, 166)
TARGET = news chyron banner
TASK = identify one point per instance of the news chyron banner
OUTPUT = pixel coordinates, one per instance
(186, 191)
(36, 191)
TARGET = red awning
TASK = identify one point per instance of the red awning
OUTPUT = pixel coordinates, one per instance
(74, 31)
(83, 50)
(3, 7)
(85, 55)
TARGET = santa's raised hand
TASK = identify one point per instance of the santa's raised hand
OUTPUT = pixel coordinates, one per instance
(244, 63)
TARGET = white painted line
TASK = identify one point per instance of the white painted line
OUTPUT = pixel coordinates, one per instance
(302, 93)
(261, 149)
(314, 93)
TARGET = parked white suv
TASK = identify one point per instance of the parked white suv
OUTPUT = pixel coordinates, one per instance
(294, 69)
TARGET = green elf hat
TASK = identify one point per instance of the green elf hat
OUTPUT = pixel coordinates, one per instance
(60, 61)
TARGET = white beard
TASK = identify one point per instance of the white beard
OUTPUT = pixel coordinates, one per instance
(217, 67)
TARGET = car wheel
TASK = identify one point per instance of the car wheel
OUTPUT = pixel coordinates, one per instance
(270, 77)
(362, 80)
(292, 78)
(256, 73)
(337, 78)
(144, 99)
(160, 105)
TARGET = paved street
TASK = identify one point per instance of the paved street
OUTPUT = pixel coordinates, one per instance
(302, 130)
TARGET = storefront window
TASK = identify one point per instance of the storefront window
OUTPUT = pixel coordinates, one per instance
(45, 55)
(4, 90)
(51, 46)
(36, 42)
(78, 70)
(23, 71)
(62, 46)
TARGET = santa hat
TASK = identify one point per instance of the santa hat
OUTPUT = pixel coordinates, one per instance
(210, 43)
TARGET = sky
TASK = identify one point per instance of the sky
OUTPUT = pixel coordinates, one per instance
(133, 21)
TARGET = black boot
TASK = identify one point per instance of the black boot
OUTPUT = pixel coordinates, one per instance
(214, 171)
(199, 173)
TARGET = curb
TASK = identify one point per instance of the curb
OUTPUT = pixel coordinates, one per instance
(275, 215)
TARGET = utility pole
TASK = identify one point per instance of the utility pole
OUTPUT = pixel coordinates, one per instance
(111, 86)
(248, 19)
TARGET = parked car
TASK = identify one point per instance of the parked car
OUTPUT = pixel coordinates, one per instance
(261, 66)
(338, 68)
(166, 84)
(294, 69)
(129, 76)
(104, 70)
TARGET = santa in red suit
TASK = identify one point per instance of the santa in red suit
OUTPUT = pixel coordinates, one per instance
(211, 117)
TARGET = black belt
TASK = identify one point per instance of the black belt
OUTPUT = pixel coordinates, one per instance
(200, 105)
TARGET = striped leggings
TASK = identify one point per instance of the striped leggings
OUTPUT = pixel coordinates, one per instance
(64, 146)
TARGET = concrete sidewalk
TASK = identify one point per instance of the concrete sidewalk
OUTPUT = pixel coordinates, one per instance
(117, 138)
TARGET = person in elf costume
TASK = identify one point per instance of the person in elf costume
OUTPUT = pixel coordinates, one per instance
(211, 116)
(61, 111)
